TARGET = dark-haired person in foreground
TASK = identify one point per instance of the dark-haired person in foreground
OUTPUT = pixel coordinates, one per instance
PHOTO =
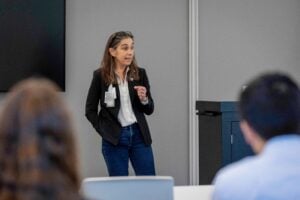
(37, 147)
(270, 119)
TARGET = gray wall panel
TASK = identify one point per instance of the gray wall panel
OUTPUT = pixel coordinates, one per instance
(239, 39)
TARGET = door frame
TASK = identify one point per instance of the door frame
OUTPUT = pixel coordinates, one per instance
(193, 92)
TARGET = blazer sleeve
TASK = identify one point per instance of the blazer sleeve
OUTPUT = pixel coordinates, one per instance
(92, 101)
(147, 108)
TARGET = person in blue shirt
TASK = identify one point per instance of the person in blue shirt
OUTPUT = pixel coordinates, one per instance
(270, 121)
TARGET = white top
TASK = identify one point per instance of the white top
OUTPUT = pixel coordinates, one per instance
(126, 115)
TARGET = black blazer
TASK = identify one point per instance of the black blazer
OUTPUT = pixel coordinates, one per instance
(106, 121)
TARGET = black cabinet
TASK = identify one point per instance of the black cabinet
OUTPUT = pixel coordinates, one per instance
(220, 139)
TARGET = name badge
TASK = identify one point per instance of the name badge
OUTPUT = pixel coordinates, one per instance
(110, 96)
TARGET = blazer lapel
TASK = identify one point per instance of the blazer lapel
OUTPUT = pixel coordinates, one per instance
(117, 100)
(131, 89)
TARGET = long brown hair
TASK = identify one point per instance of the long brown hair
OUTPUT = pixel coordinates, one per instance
(108, 65)
(37, 146)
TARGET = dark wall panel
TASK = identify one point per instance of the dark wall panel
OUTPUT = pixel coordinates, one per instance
(32, 41)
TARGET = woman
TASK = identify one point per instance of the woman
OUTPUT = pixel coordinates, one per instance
(37, 150)
(123, 92)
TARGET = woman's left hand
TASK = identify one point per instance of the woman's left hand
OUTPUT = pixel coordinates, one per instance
(141, 92)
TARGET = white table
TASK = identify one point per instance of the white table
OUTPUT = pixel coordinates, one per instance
(196, 192)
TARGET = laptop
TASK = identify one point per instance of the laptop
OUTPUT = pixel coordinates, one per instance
(128, 188)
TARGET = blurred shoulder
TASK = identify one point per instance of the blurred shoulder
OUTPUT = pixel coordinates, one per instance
(97, 71)
(142, 72)
(141, 69)
(243, 170)
(236, 180)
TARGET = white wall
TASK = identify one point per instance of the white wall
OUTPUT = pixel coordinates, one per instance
(161, 41)
(240, 38)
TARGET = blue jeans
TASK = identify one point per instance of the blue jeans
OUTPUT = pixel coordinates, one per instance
(131, 146)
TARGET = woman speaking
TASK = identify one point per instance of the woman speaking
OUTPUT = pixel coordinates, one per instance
(122, 89)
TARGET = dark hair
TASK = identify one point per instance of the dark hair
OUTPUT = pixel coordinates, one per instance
(271, 105)
(37, 147)
(108, 65)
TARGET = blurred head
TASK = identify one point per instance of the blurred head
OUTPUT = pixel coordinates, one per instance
(270, 105)
(110, 58)
(37, 149)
